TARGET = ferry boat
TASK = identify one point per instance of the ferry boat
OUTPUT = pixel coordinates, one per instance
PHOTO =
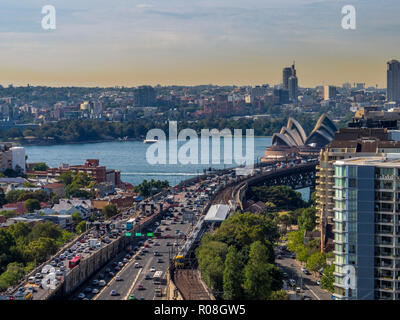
(150, 141)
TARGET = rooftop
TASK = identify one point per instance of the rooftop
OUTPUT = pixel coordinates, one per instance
(392, 160)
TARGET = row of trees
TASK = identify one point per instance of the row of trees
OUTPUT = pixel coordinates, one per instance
(237, 261)
(147, 188)
(22, 247)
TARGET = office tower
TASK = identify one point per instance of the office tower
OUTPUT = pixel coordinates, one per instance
(293, 89)
(282, 95)
(360, 86)
(393, 81)
(287, 73)
(330, 92)
(348, 143)
(367, 250)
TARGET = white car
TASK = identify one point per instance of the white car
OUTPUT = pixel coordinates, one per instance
(152, 269)
(95, 291)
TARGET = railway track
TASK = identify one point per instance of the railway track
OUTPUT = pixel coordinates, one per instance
(189, 284)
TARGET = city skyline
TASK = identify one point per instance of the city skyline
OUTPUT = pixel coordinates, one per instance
(188, 43)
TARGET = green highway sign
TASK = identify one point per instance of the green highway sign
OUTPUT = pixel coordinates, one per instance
(150, 234)
(138, 234)
(128, 234)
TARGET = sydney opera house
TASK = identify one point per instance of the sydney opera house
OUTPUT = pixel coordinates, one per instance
(292, 140)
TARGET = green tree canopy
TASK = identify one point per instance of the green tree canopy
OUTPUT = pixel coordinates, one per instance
(307, 219)
(81, 227)
(110, 210)
(282, 196)
(32, 205)
(233, 275)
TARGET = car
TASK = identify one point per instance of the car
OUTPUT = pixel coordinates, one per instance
(117, 268)
(307, 298)
(140, 287)
(95, 291)
(111, 274)
(39, 276)
(128, 256)
(168, 244)
(292, 282)
(279, 256)
(115, 263)
(59, 273)
(152, 269)
(131, 297)
(319, 282)
(101, 276)
(81, 295)
(108, 270)
(118, 278)
(138, 258)
(156, 244)
(285, 275)
(175, 244)
(147, 277)
(298, 289)
(121, 264)
(159, 260)
(102, 283)
(31, 279)
(125, 260)
(137, 265)
(113, 293)
(88, 289)
(95, 282)
(32, 289)
(182, 222)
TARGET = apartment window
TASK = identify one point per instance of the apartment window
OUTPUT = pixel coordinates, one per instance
(352, 171)
(340, 237)
(339, 193)
(339, 259)
(340, 182)
(352, 183)
(340, 171)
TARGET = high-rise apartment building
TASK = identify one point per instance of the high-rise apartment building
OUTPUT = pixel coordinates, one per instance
(348, 143)
(145, 96)
(393, 81)
(293, 89)
(367, 228)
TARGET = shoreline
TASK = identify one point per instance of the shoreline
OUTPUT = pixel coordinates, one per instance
(47, 143)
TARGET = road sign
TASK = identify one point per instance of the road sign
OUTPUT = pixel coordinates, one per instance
(128, 234)
(138, 234)
(150, 234)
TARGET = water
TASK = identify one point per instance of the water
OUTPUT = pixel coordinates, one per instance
(130, 158)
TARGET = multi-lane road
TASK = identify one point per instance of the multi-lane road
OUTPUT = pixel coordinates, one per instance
(125, 282)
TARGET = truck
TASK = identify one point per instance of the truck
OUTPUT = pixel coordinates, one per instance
(157, 278)
(92, 243)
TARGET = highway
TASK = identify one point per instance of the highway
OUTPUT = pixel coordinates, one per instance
(126, 281)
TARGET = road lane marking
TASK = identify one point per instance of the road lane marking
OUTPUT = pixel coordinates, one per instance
(133, 284)
(312, 292)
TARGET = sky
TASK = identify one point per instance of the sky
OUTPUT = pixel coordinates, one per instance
(187, 42)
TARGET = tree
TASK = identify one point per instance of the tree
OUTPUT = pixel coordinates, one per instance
(81, 227)
(328, 278)
(2, 197)
(66, 178)
(14, 273)
(40, 166)
(39, 250)
(282, 196)
(279, 295)
(110, 210)
(76, 217)
(233, 275)
(46, 230)
(316, 261)
(307, 219)
(32, 204)
(210, 256)
(258, 281)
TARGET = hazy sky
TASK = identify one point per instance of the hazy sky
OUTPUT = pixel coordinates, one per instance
(133, 42)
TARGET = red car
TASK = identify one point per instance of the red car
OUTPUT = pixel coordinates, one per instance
(140, 287)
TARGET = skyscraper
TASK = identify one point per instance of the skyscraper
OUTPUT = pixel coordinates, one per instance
(293, 85)
(393, 81)
(287, 73)
(367, 228)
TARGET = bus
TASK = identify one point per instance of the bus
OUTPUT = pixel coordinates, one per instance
(129, 224)
(157, 278)
(179, 262)
(74, 262)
